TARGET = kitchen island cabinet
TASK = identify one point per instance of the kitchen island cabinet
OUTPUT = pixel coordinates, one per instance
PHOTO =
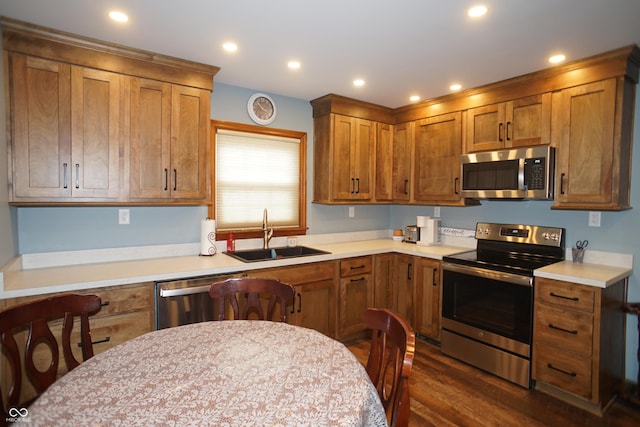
(578, 342)
(314, 303)
(126, 312)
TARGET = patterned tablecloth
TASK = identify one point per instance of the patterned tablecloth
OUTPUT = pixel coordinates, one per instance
(227, 373)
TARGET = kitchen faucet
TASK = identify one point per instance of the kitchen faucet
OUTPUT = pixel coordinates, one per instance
(267, 232)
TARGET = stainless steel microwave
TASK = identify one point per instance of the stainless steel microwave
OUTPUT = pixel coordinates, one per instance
(519, 173)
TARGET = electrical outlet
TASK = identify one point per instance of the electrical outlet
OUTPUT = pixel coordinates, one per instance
(292, 241)
(594, 219)
(352, 212)
(436, 212)
(123, 216)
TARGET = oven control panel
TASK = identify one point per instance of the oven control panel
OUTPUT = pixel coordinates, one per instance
(518, 233)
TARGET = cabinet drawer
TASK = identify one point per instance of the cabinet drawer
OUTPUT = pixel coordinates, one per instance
(353, 266)
(563, 370)
(565, 294)
(122, 299)
(572, 330)
(298, 275)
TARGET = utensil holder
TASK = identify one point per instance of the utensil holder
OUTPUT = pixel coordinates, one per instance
(577, 255)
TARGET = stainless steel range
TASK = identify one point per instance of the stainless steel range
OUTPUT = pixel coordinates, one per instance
(487, 297)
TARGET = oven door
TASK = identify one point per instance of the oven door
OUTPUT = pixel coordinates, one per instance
(488, 306)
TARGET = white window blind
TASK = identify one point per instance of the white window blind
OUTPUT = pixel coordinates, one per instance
(254, 172)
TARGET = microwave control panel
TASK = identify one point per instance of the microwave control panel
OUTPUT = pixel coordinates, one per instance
(535, 171)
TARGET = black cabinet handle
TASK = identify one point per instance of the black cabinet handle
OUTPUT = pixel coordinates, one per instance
(409, 270)
(166, 179)
(358, 182)
(299, 302)
(360, 279)
(562, 371)
(435, 277)
(77, 175)
(358, 267)
(455, 185)
(500, 132)
(508, 126)
(64, 173)
(104, 304)
(406, 186)
(568, 331)
(175, 179)
(562, 183)
(553, 294)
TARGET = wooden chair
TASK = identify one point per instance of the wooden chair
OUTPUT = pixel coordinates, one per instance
(393, 345)
(33, 317)
(244, 295)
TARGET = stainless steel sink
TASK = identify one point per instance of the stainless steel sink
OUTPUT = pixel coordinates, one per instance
(254, 255)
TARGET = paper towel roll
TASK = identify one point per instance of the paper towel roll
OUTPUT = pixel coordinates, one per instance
(208, 237)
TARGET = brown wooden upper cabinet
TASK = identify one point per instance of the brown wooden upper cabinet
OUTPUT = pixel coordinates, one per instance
(438, 146)
(66, 131)
(403, 142)
(96, 123)
(592, 133)
(169, 141)
(518, 123)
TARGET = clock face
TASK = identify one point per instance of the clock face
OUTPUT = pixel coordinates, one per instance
(262, 109)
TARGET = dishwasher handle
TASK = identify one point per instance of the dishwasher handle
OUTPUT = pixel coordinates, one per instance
(165, 293)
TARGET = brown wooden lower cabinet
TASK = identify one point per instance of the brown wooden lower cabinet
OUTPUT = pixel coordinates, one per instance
(578, 342)
(314, 304)
(356, 294)
(427, 297)
(126, 312)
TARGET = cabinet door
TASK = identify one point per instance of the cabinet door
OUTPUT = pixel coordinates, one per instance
(353, 141)
(403, 286)
(150, 139)
(427, 297)
(382, 279)
(438, 146)
(402, 154)
(485, 128)
(96, 101)
(528, 121)
(584, 135)
(189, 143)
(356, 295)
(41, 141)
(384, 162)
(314, 307)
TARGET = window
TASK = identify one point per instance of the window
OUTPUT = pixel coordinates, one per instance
(256, 168)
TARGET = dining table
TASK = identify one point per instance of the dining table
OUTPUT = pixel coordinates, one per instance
(216, 373)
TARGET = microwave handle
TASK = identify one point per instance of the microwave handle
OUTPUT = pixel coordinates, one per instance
(521, 186)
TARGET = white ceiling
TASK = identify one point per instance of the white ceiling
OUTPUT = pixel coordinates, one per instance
(400, 47)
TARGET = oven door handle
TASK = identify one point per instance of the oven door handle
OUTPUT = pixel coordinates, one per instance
(489, 274)
(165, 293)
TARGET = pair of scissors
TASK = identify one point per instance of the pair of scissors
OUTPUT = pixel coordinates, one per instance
(582, 244)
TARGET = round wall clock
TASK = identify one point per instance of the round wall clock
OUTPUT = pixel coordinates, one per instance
(262, 109)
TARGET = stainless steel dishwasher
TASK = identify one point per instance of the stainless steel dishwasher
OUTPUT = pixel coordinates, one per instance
(180, 302)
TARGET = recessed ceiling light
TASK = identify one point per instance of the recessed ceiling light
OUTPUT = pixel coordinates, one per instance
(414, 98)
(455, 86)
(358, 82)
(477, 11)
(118, 16)
(294, 65)
(230, 46)
(555, 59)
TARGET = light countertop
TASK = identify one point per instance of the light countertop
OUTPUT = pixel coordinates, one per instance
(25, 281)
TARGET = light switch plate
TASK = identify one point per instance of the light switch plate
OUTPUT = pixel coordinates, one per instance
(123, 216)
(352, 212)
(594, 219)
(436, 211)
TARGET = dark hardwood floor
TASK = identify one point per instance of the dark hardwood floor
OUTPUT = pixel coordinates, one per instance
(447, 392)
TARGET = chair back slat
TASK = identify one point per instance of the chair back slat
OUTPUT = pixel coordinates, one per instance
(246, 296)
(33, 319)
(390, 361)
